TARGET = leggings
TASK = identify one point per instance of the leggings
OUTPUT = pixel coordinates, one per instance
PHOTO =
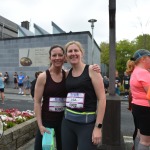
(77, 136)
(57, 128)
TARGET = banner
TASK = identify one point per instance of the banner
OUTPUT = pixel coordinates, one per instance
(34, 57)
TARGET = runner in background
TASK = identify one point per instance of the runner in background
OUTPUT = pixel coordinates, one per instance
(20, 83)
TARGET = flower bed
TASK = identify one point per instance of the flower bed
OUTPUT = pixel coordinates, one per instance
(20, 128)
(11, 117)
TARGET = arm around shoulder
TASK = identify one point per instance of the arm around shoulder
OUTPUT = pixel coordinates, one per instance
(98, 85)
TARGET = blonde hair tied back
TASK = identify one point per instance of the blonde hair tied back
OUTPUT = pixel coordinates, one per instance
(130, 66)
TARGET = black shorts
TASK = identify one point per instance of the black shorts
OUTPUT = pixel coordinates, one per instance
(15, 81)
(2, 90)
(141, 116)
(20, 84)
(126, 87)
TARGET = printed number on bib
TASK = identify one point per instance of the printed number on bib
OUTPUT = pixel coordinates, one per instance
(56, 104)
(75, 100)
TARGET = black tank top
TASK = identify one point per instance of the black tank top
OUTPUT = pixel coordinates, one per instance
(53, 89)
(83, 84)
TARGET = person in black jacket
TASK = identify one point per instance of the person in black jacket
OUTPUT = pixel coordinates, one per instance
(34, 82)
(6, 77)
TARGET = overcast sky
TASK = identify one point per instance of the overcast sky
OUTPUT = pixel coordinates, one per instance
(132, 16)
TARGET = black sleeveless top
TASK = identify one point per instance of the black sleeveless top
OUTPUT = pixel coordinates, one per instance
(53, 89)
(83, 84)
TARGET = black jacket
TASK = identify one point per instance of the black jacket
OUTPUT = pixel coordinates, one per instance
(33, 87)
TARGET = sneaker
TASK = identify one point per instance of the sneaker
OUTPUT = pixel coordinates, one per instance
(22, 93)
(19, 93)
(125, 96)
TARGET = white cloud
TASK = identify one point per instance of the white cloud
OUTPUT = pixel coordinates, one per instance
(132, 16)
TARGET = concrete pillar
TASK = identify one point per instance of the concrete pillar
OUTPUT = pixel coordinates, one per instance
(111, 138)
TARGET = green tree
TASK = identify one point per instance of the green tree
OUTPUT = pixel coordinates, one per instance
(104, 53)
(142, 41)
(124, 51)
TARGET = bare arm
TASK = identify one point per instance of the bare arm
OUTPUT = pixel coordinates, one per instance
(39, 88)
(98, 85)
(147, 90)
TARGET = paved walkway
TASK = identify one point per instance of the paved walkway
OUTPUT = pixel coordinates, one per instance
(13, 94)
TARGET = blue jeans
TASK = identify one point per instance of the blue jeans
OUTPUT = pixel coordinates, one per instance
(117, 90)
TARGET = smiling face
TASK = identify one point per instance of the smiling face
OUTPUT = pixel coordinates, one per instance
(74, 54)
(57, 57)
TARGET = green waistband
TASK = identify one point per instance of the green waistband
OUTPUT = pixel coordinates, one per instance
(81, 113)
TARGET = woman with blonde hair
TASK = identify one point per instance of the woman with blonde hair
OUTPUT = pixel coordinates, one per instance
(2, 87)
(85, 103)
(139, 67)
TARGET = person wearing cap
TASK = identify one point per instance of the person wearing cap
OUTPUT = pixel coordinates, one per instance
(139, 86)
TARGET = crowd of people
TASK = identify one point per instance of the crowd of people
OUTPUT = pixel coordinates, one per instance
(21, 82)
(73, 102)
(121, 85)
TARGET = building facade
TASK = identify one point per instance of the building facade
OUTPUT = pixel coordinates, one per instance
(8, 29)
(35, 48)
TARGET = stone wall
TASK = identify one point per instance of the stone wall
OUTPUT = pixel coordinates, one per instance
(18, 135)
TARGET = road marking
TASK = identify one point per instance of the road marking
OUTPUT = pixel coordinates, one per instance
(15, 100)
(30, 101)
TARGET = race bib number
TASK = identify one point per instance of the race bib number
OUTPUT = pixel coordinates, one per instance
(116, 85)
(126, 82)
(56, 104)
(75, 100)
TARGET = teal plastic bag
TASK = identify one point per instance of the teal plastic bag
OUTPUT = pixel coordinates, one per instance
(48, 140)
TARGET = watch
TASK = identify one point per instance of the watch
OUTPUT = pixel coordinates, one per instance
(99, 125)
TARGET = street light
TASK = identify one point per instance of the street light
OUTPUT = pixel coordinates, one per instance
(92, 26)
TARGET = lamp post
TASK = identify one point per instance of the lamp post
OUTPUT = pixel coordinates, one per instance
(92, 26)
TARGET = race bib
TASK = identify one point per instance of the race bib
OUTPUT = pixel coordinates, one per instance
(56, 104)
(126, 82)
(116, 85)
(75, 100)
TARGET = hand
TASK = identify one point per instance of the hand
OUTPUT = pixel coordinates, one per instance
(96, 136)
(43, 130)
(96, 68)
